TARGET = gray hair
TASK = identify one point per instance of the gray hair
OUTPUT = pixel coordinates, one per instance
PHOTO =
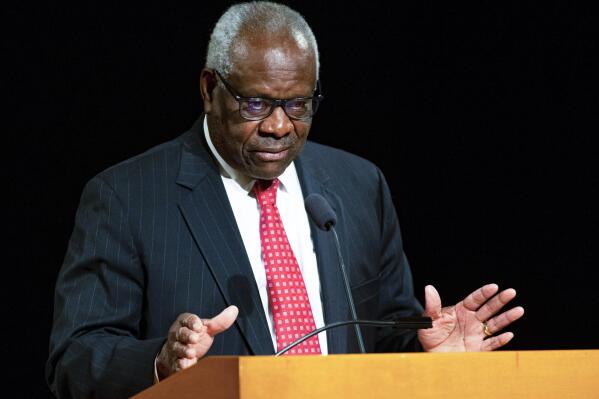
(259, 16)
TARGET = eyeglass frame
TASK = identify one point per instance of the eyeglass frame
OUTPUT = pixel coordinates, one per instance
(275, 102)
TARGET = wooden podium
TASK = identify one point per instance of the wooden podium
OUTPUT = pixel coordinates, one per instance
(489, 375)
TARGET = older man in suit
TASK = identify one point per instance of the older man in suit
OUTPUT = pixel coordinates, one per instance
(202, 245)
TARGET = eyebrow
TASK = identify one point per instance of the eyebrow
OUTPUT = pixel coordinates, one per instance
(268, 97)
(262, 95)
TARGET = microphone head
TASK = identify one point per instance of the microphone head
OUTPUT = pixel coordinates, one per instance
(320, 211)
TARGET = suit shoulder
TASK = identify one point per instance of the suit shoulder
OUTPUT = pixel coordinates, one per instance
(162, 159)
(339, 161)
(335, 154)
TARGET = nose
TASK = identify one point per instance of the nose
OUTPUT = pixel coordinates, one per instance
(277, 124)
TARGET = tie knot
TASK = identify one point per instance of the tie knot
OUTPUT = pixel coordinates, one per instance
(266, 191)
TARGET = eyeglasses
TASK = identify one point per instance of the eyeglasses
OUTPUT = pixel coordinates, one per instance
(258, 108)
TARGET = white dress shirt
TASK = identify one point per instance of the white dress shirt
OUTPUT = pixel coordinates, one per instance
(290, 202)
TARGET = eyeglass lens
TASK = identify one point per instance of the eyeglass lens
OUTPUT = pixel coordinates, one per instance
(256, 108)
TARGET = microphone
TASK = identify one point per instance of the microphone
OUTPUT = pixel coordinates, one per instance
(320, 211)
(325, 218)
(402, 322)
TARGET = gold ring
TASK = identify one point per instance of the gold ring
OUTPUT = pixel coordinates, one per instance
(486, 330)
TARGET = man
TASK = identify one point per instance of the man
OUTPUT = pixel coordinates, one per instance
(201, 246)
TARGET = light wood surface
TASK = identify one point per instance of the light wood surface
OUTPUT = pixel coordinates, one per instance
(504, 374)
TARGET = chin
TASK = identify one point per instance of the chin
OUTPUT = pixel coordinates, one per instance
(263, 175)
(269, 172)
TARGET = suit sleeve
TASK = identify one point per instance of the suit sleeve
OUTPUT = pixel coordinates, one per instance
(396, 289)
(96, 348)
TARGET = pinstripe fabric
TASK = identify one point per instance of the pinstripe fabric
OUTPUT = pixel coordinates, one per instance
(155, 237)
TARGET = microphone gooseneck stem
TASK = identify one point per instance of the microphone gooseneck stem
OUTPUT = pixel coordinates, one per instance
(411, 323)
(348, 292)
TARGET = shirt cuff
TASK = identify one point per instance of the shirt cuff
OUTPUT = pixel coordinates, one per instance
(156, 378)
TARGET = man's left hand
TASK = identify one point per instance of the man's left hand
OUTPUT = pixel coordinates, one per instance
(461, 328)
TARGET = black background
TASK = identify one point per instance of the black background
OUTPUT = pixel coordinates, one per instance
(483, 118)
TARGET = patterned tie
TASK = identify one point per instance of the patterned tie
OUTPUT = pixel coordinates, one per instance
(287, 295)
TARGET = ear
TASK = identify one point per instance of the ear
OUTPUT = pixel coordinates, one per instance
(207, 85)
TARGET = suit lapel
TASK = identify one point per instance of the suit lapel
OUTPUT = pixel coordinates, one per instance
(314, 180)
(210, 219)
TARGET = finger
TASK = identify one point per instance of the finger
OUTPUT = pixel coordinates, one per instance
(493, 343)
(495, 304)
(191, 321)
(503, 320)
(182, 364)
(182, 351)
(187, 336)
(222, 321)
(480, 296)
(432, 302)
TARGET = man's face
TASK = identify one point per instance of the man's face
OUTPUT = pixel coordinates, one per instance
(277, 69)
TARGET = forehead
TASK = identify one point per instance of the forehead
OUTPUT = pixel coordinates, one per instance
(275, 66)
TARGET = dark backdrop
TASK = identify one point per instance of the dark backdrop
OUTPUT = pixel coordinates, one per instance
(483, 118)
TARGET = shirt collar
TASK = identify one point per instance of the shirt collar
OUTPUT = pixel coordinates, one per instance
(289, 180)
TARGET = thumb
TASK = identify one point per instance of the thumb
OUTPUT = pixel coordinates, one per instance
(222, 321)
(432, 302)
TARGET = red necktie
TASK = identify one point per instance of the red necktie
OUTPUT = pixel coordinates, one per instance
(287, 295)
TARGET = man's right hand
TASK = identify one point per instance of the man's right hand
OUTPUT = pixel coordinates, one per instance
(189, 339)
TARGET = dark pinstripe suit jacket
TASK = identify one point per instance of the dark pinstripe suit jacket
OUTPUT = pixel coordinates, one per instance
(155, 236)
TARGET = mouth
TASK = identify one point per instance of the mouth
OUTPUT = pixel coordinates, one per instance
(271, 155)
